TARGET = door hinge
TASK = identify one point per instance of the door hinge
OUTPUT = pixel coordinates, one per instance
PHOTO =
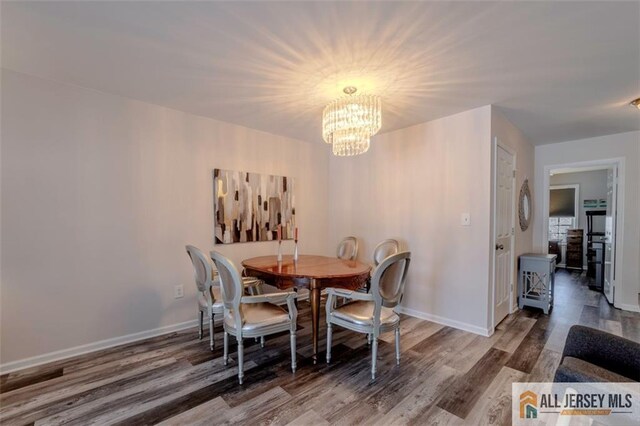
(514, 173)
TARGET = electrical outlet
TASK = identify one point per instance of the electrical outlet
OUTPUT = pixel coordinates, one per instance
(178, 291)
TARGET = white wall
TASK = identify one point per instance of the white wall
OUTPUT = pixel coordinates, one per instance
(511, 136)
(413, 185)
(622, 145)
(592, 185)
(100, 194)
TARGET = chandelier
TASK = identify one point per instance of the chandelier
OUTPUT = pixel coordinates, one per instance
(349, 122)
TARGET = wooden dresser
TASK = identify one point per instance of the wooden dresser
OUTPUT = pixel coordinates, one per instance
(574, 249)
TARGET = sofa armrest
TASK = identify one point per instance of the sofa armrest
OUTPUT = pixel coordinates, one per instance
(611, 352)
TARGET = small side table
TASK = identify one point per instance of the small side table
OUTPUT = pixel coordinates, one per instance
(536, 279)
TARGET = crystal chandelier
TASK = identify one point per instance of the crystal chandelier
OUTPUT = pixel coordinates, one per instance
(349, 122)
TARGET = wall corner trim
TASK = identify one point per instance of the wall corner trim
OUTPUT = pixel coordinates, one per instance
(95, 346)
(445, 321)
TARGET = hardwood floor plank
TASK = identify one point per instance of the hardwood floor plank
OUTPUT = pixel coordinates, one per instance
(436, 416)
(38, 400)
(447, 339)
(527, 353)
(89, 395)
(461, 397)
(513, 336)
(377, 399)
(137, 399)
(631, 327)
(309, 418)
(9, 383)
(558, 337)
(201, 415)
(494, 405)
(590, 316)
(465, 358)
(421, 398)
(545, 368)
(613, 327)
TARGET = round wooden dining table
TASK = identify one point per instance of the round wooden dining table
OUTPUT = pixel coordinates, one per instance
(312, 272)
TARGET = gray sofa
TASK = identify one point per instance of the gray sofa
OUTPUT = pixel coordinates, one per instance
(592, 355)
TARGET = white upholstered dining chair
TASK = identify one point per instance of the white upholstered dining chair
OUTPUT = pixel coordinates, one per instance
(252, 316)
(372, 313)
(385, 249)
(209, 296)
(348, 249)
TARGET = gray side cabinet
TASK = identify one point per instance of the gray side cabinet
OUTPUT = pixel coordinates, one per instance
(536, 278)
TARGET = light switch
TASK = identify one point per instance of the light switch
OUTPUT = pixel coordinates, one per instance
(465, 219)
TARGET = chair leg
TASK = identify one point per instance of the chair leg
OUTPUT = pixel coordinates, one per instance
(374, 357)
(293, 351)
(225, 356)
(369, 337)
(262, 341)
(329, 337)
(398, 346)
(211, 341)
(240, 360)
(200, 331)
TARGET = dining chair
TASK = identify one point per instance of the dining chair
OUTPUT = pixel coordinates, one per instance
(372, 313)
(383, 250)
(348, 248)
(252, 316)
(209, 296)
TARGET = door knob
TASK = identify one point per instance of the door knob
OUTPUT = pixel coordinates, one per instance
(499, 246)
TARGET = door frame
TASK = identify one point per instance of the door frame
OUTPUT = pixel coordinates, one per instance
(618, 209)
(494, 198)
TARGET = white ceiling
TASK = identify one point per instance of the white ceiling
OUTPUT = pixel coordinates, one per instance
(559, 71)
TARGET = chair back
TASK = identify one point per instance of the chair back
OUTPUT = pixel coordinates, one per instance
(388, 280)
(202, 269)
(231, 285)
(385, 249)
(348, 248)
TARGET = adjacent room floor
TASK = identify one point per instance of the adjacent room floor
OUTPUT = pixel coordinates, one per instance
(447, 376)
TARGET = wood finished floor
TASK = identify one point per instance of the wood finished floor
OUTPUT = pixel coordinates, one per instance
(446, 376)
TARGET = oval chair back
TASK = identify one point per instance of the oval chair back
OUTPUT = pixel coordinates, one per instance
(348, 249)
(385, 249)
(202, 270)
(388, 280)
(231, 285)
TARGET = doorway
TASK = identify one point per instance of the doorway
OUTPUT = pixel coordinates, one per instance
(581, 214)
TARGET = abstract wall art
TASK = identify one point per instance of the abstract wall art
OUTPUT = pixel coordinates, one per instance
(250, 206)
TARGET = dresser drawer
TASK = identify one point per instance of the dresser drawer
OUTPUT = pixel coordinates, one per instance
(574, 257)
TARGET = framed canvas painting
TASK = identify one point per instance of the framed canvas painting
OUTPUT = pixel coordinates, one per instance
(250, 206)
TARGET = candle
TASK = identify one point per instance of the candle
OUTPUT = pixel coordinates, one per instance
(279, 232)
(296, 234)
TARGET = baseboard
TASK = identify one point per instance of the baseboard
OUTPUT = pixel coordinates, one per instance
(445, 321)
(92, 347)
(627, 307)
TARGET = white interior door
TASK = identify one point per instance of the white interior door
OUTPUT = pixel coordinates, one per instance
(610, 235)
(504, 228)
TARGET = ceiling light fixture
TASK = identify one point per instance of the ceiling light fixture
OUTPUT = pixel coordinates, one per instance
(635, 103)
(349, 122)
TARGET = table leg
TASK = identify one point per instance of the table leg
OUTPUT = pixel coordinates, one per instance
(314, 300)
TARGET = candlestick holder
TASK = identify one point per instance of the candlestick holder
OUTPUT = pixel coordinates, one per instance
(280, 251)
(295, 252)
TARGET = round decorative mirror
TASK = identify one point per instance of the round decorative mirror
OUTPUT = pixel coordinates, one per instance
(524, 206)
